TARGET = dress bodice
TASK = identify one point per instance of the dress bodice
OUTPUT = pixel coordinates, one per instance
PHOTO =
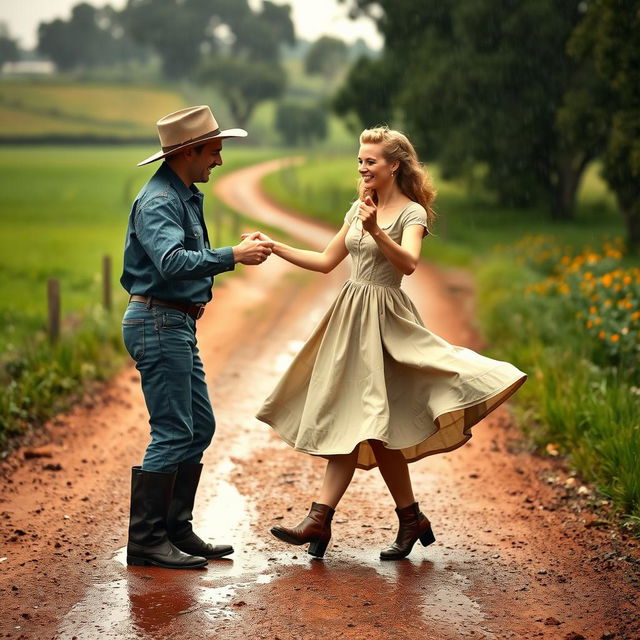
(368, 263)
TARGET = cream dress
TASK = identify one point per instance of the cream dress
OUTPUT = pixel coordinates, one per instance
(371, 370)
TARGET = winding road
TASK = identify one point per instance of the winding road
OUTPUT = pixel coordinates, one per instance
(519, 551)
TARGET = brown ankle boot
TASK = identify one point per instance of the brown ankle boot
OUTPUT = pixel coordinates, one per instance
(414, 525)
(315, 528)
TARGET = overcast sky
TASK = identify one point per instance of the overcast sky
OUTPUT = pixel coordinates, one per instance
(312, 18)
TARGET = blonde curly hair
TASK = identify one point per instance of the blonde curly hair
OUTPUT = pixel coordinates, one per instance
(412, 178)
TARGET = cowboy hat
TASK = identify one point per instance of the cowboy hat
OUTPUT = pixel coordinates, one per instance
(186, 127)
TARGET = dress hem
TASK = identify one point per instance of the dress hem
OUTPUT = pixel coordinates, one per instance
(512, 387)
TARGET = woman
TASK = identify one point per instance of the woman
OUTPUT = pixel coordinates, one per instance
(372, 386)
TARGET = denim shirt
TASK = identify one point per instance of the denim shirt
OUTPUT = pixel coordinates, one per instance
(167, 252)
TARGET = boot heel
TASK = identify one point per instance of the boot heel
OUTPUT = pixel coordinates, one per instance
(317, 548)
(132, 561)
(427, 537)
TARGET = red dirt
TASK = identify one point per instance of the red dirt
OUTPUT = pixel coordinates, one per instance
(520, 551)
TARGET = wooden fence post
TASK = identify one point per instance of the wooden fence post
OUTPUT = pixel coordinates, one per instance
(106, 282)
(53, 299)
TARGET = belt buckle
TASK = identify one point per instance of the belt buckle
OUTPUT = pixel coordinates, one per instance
(200, 311)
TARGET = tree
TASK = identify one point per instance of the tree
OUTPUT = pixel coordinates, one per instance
(369, 92)
(607, 39)
(326, 56)
(243, 84)
(173, 29)
(482, 82)
(299, 123)
(251, 72)
(8, 47)
(91, 38)
(181, 32)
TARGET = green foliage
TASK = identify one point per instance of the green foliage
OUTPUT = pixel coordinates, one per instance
(580, 398)
(91, 38)
(477, 81)
(325, 56)
(243, 84)
(607, 41)
(38, 379)
(180, 32)
(595, 290)
(300, 123)
(8, 46)
(357, 95)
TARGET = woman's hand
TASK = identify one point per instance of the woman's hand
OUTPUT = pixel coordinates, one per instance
(256, 235)
(368, 214)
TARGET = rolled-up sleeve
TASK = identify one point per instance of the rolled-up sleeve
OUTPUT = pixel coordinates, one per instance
(159, 230)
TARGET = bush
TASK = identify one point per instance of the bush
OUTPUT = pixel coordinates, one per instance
(39, 379)
(301, 124)
(576, 332)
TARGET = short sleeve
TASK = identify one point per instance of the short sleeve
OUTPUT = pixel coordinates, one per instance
(349, 216)
(416, 214)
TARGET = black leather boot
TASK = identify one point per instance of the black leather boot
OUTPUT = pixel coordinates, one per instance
(148, 542)
(315, 528)
(180, 515)
(414, 526)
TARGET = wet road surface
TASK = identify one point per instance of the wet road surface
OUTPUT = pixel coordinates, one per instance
(518, 553)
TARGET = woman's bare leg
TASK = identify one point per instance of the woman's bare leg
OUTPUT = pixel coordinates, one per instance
(337, 478)
(395, 472)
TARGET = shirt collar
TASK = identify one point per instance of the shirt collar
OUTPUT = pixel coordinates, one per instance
(186, 193)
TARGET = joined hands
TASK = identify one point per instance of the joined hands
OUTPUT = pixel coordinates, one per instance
(255, 248)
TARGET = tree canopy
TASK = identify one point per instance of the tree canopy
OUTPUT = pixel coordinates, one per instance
(90, 38)
(607, 41)
(8, 46)
(326, 56)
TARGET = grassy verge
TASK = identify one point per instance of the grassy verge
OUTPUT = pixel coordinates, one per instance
(62, 209)
(557, 299)
(576, 331)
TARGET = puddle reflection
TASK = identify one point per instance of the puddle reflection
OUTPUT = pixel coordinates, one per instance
(351, 588)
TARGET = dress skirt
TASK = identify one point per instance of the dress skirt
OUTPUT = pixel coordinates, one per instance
(372, 370)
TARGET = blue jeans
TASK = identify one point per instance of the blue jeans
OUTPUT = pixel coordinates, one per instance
(162, 341)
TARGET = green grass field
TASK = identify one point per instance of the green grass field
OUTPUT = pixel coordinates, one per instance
(56, 107)
(61, 210)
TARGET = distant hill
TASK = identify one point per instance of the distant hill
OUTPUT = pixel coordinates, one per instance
(64, 111)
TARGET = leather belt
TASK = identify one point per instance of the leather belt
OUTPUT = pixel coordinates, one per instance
(195, 310)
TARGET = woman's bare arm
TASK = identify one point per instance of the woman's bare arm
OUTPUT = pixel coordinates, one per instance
(403, 256)
(324, 261)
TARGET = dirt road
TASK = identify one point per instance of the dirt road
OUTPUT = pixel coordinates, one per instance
(518, 553)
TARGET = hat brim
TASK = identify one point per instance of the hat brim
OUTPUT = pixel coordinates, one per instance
(227, 133)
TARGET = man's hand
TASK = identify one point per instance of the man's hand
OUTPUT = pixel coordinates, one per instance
(257, 235)
(252, 249)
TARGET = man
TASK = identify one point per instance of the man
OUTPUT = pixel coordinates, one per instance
(168, 270)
